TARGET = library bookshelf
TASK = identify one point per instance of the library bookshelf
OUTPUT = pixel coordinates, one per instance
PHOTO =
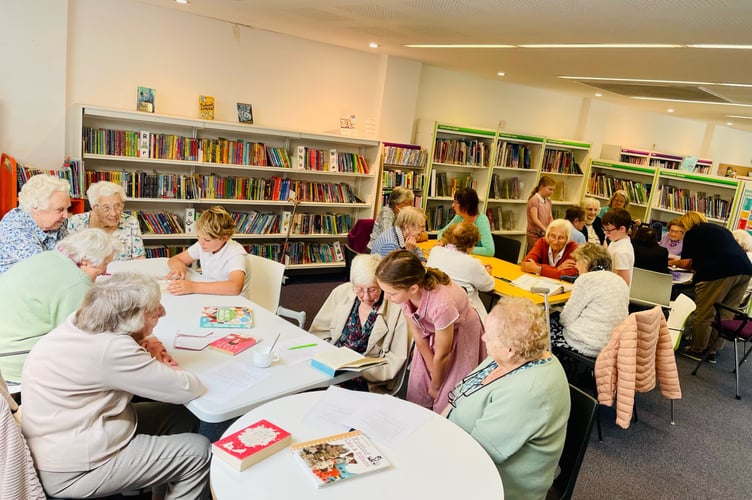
(171, 165)
(636, 179)
(403, 165)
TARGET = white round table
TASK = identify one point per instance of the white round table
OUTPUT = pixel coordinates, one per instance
(438, 461)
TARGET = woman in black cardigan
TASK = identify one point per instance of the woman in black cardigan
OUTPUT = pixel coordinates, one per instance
(593, 229)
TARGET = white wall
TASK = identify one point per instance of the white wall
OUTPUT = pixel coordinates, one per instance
(32, 87)
(113, 46)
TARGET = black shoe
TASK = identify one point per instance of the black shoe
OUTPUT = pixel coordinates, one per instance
(689, 353)
(711, 358)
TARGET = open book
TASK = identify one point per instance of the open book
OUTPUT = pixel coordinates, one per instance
(343, 359)
(537, 284)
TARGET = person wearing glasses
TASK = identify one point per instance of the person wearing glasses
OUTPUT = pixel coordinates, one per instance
(551, 256)
(616, 225)
(673, 240)
(37, 224)
(357, 316)
(107, 201)
(442, 322)
(516, 402)
(86, 435)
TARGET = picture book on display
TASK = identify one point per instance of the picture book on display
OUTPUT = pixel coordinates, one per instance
(245, 113)
(206, 107)
(233, 343)
(342, 456)
(251, 444)
(226, 317)
(145, 99)
(343, 359)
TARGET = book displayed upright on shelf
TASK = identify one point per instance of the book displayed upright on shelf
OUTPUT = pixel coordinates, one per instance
(206, 107)
(339, 457)
(226, 317)
(251, 444)
(145, 99)
(245, 113)
(233, 343)
(343, 359)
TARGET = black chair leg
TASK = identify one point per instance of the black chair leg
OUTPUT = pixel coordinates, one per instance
(702, 360)
(635, 418)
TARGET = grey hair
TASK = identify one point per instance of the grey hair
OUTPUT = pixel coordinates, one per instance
(38, 190)
(743, 238)
(410, 216)
(93, 245)
(400, 195)
(561, 224)
(363, 268)
(104, 188)
(588, 201)
(118, 304)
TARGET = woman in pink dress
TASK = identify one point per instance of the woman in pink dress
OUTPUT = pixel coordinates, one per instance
(445, 326)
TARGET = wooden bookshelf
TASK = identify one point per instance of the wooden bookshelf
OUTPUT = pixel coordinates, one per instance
(167, 164)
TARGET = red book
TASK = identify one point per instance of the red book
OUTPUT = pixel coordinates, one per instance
(251, 444)
(233, 343)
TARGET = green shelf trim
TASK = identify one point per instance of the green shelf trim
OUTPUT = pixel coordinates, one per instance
(528, 138)
(622, 166)
(701, 178)
(573, 144)
(463, 130)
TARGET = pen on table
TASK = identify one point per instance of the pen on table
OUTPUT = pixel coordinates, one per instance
(303, 346)
(502, 279)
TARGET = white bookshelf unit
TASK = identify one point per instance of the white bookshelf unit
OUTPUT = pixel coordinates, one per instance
(679, 192)
(250, 170)
(565, 161)
(403, 165)
(637, 180)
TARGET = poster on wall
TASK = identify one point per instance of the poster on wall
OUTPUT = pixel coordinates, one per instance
(745, 212)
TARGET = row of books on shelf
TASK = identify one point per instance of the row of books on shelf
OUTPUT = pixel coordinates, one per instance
(513, 155)
(438, 216)
(502, 220)
(507, 188)
(158, 222)
(417, 201)
(71, 171)
(408, 179)
(560, 161)
(140, 184)
(145, 144)
(158, 251)
(405, 155)
(443, 185)
(299, 252)
(462, 152)
(606, 185)
(683, 200)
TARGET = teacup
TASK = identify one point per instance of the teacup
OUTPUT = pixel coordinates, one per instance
(263, 358)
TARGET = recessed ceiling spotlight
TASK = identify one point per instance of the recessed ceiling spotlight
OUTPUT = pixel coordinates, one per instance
(670, 110)
(729, 123)
(598, 94)
(373, 45)
(500, 73)
(181, 1)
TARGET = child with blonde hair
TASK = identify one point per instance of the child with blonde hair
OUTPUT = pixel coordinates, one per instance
(222, 259)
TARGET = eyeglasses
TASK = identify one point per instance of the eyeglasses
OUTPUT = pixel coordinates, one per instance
(117, 207)
(371, 290)
(468, 386)
(608, 229)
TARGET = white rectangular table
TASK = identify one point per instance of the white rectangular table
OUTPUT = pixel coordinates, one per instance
(280, 379)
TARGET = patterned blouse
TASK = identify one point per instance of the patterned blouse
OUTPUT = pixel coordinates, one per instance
(128, 232)
(20, 238)
(354, 335)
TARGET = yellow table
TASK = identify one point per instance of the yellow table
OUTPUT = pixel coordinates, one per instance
(504, 272)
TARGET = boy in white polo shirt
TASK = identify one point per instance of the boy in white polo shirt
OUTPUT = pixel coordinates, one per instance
(616, 223)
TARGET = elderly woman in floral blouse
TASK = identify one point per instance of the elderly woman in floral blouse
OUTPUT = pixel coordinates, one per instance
(106, 200)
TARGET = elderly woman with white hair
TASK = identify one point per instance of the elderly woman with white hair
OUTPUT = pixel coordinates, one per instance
(107, 201)
(41, 291)
(358, 316)
(36, 224)
(551, 256)
(87, 437)
(408, 226)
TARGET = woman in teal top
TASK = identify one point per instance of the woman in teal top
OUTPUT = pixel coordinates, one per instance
(516, 403)
(465, 205)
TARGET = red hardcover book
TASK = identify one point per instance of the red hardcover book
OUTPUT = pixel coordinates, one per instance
(233, 344)
(251, 444)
